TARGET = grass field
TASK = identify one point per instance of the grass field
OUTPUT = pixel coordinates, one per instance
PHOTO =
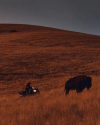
(48, 58)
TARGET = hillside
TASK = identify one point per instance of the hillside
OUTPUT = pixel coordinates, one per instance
(48, 57)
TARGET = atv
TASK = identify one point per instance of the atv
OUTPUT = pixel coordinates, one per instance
(32, 91)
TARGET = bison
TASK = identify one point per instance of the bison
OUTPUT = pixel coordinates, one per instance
(78, 83)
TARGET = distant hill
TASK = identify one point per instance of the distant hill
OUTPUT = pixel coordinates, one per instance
(22, 27)
(42, 52)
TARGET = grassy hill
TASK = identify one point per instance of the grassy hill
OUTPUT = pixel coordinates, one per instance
(47, 58)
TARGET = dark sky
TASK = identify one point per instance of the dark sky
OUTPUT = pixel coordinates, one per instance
(74, 15)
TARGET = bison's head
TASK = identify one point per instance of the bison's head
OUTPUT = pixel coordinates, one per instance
(89, 83)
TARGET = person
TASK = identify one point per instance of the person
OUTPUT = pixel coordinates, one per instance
(27, 88)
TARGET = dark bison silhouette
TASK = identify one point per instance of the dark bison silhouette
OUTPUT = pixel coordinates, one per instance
(78, 83)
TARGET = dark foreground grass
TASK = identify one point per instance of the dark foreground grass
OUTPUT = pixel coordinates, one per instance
(52, 108)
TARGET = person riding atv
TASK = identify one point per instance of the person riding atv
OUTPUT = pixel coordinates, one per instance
(28, 88)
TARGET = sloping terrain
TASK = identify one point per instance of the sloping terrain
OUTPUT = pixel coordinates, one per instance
(47, 58)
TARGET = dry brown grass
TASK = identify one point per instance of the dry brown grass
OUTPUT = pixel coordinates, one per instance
(48, 58)
(53, 108)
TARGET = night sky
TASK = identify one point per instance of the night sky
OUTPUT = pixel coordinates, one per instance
(74, 15)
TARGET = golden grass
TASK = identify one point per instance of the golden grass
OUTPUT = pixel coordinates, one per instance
(52, 107)
(48, 58)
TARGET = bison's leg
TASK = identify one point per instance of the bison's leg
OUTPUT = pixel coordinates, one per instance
(79, 89)
(67, 91)
(88, 87)
(80, 86)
